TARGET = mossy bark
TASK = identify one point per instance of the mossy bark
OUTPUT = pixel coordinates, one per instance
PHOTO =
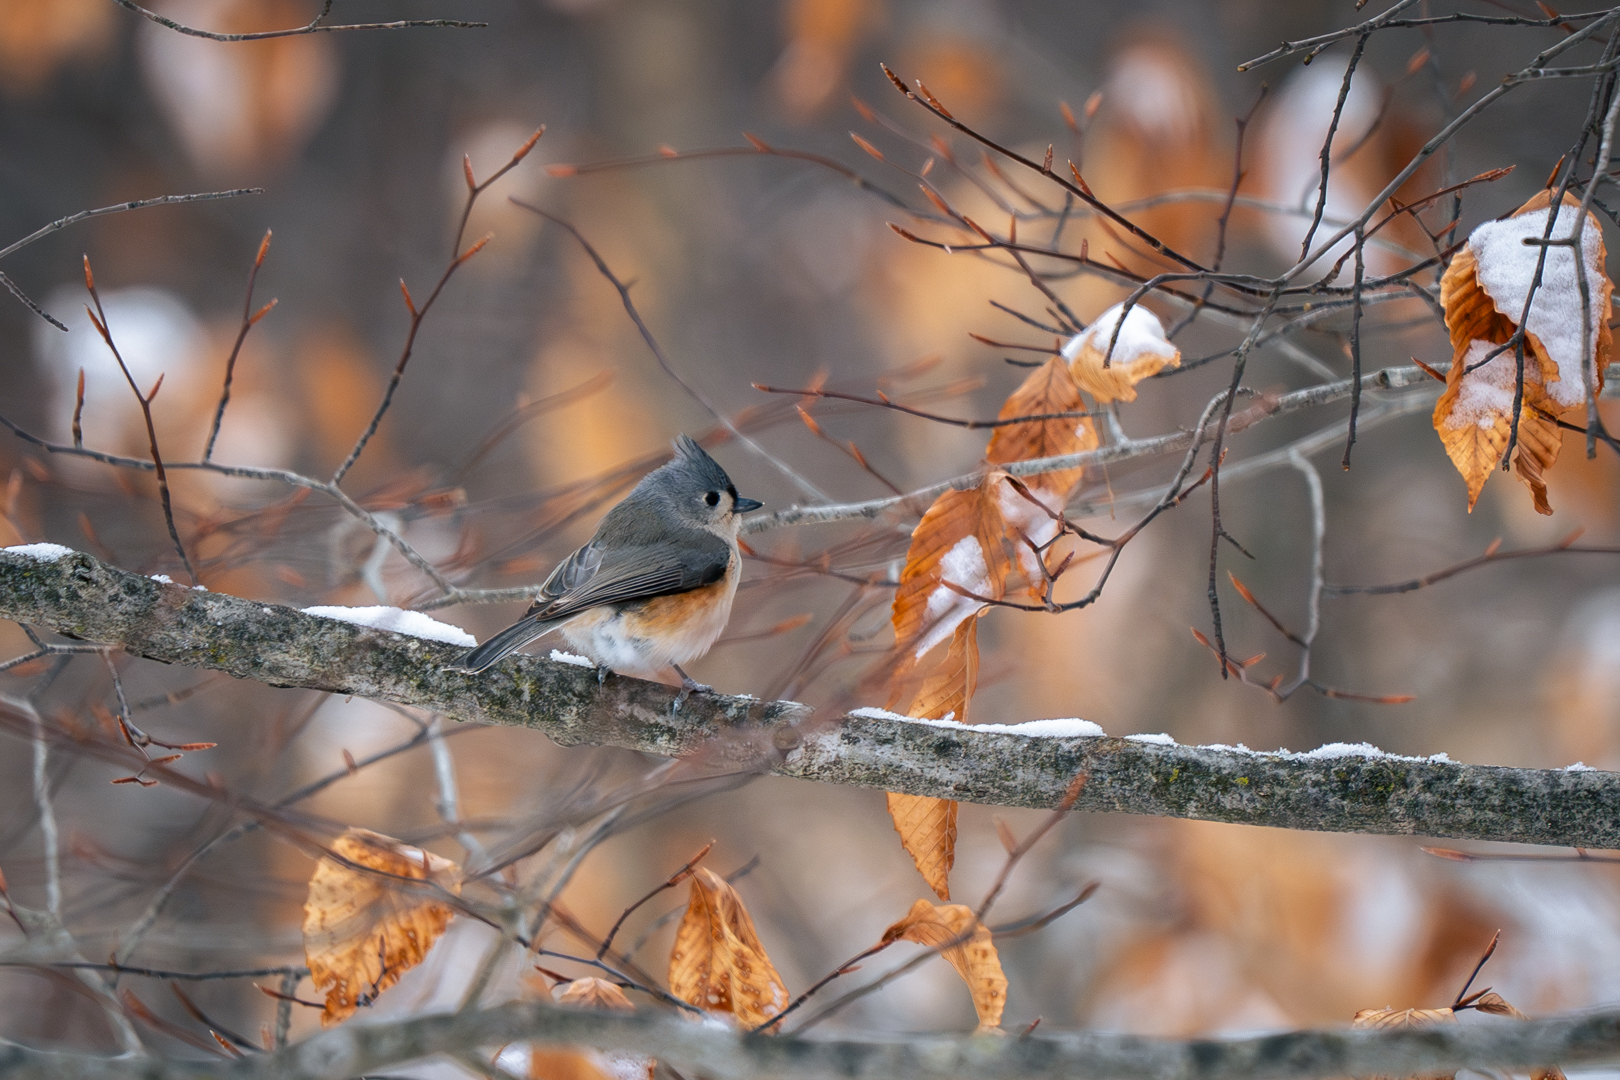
(83, 597)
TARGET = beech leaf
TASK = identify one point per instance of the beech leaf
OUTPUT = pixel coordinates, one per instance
(973, 955)
(375, 908)
(718, 962)
(1483, 294)
(580, 1063)
(1141, 350)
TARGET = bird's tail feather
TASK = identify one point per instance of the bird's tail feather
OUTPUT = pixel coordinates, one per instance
(508, 641)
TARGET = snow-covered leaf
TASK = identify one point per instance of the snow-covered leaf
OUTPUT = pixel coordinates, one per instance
(1483, 293)
(1141, 350)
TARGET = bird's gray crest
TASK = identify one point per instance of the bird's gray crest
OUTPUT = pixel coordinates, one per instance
(699, 465)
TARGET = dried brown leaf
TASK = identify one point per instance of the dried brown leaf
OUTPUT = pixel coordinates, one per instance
(1398, 1018)
(973, 955)
(1386, 1017)
(375, 908)
(551, 1062)
(1474, 415)
(927, 828)
(1493, 1003)
(1051, 388)
(718, 962)
(593, 993)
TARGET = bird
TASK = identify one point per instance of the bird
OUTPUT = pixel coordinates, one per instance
(652, 590)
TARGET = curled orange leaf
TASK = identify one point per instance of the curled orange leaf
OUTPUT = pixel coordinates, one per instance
(1483, 294)
(1109, 358)
(965, 943)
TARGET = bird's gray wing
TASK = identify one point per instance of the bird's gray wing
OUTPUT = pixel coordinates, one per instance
(571, 574)
(618, 575)
(599, 574)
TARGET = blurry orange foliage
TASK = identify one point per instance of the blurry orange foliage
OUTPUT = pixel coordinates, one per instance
(37, 36)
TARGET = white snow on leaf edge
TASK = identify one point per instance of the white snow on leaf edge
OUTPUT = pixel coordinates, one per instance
(1506, 267)
(409, 623)
(1142, 333)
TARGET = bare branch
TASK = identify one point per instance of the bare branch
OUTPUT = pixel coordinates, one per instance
(712, 1050)
(93, 601)
(314, 26)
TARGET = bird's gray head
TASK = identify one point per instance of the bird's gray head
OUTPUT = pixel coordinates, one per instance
(698, 490)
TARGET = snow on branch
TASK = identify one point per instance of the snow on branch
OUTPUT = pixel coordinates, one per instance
(712, 1049)
(1333, 789)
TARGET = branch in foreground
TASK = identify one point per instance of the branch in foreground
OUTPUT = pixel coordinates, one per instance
(710, 1049)
(314, 26)
(80, 596)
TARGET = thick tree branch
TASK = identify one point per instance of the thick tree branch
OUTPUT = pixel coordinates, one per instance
(85, 598)
(712, 1050)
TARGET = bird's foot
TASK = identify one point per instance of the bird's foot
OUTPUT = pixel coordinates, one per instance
(602, 672)
(689, 686)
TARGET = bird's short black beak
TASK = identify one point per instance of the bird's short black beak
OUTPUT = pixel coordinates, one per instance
(745, 505)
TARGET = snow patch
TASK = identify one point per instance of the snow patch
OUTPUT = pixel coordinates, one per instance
(1579, 766)
(571, 658)
(1023, 515)
(161, 579)
(1506, 268)
(1141, 335)
(1486, 392)
(410, 623)
(1076, 728)
(41, 552)
(1042, 729)
(1341, 750)
(871, 713)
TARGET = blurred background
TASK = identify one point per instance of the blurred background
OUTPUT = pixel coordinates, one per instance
(530, 403)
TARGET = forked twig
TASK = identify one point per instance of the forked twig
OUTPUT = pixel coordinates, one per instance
(457, 258)
(99, 319)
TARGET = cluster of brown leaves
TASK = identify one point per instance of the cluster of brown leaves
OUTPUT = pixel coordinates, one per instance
(1474, 416)
(377, 906)
(976, 546)
(1487, 1001)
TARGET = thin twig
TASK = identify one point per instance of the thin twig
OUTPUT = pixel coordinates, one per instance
(663, 361)
(417, 314)
(314, 26)
(99, 319)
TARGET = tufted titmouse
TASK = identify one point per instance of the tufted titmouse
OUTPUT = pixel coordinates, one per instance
(653, 588)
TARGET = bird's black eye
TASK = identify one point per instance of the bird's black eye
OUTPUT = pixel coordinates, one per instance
(712, 498)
